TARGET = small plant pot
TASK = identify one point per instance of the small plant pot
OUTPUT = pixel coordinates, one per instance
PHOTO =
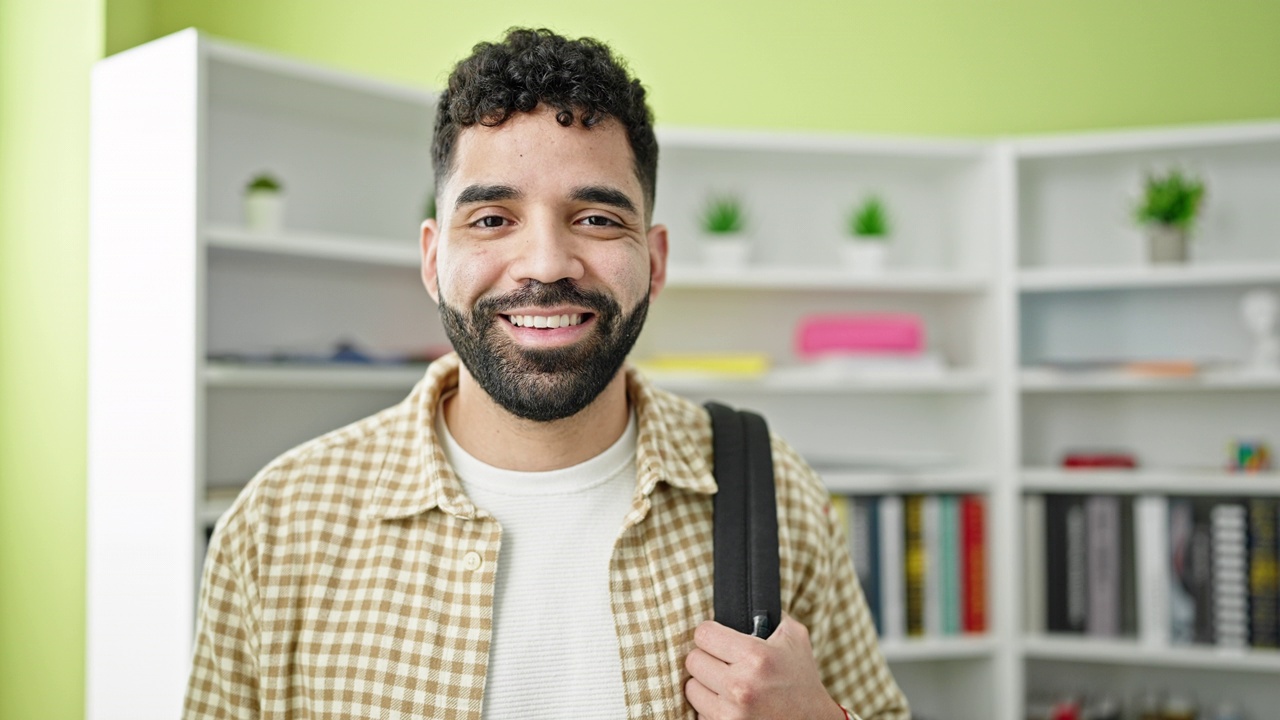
(1166, 244)
(264, 211)
(864, 256)
(722, 253)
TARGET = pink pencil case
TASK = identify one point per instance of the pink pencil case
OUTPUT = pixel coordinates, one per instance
(881, 333)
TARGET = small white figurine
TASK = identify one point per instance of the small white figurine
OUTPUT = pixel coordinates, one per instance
(1260, 309)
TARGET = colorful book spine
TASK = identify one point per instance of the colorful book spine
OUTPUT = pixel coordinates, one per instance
(914, 549)
(949, 563)
(1264, 575)
(931, 516)
(974, 561)
(892, 578)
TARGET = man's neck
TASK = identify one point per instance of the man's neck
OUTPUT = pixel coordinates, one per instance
(494, 436)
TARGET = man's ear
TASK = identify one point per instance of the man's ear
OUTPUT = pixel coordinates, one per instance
(657, 237)
(430, 246)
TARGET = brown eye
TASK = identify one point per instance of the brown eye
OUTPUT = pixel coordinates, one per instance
(490, 221)
(598, 221)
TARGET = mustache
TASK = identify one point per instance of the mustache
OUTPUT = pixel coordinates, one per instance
(538, 294)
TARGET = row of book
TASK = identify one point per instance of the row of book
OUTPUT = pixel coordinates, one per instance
(1224, 586)
(1079, 565)
(1223, 568)
(921, 561)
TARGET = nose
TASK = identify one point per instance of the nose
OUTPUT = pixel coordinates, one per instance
(546, 252)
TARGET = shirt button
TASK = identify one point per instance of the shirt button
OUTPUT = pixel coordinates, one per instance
(472, 561)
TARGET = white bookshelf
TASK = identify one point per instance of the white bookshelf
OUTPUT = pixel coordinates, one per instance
(179, 126)
(1085, 293)
(1015, 253)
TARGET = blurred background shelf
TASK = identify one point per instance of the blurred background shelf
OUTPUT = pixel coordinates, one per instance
(1151, 481)
(1121, 652)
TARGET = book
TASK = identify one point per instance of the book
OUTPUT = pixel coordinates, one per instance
(864, 545)
(931, 517)
(892, 576)
(949, 563)
(870, 576)
(1102, 533)
(1182, 595)
(1264, 576)
(973, 558)
(1128, 570)
(1065, 564)
(914, 555)
(1228, 527)
(1034, 594)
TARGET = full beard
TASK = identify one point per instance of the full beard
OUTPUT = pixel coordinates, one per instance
(543, 384)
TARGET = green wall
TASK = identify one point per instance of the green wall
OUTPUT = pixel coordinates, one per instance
(947, 67)
(921, 66)
(46, 50)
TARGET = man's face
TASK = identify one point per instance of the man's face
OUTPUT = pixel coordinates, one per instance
(541, 261)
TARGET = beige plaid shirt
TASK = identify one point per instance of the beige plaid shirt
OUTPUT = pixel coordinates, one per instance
(353, 578)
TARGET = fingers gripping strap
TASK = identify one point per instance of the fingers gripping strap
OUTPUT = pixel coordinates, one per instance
(747, 596)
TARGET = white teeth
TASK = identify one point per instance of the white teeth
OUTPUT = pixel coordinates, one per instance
(544, 321)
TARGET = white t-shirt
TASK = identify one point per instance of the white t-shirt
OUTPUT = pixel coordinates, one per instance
(555, 649)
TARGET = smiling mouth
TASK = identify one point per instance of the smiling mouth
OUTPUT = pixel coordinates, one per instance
(547, 322)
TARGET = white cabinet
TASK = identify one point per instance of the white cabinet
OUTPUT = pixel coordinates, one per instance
(208, 339)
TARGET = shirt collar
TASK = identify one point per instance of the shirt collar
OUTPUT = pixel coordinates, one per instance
(672, 446)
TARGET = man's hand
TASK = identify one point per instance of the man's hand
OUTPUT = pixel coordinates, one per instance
(738, 676)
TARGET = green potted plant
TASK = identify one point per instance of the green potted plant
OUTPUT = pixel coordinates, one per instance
(867, 243)
(724, 244)
(264, 204)
(1169, 206)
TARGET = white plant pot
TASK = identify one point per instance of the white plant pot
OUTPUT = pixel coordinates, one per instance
(864, 256)
(1166, 244)
(264, 211)
(723, 253)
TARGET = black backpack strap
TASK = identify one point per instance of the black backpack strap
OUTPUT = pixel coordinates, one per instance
(747, 590)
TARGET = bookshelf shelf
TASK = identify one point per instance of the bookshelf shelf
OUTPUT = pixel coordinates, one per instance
(772, 383)
(233, 375)
(931, 649)
(293, 243)
(1154, 481)
(1120, 652)
(906, 482)
(824, 278)
(1072, 279)
(1051, 381)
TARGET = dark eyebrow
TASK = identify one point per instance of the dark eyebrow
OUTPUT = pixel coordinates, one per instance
(605, 196)
(486, 193)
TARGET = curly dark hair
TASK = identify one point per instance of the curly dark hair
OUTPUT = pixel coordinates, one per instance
(581, 79)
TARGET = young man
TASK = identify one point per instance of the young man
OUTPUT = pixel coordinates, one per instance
(529, 534)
